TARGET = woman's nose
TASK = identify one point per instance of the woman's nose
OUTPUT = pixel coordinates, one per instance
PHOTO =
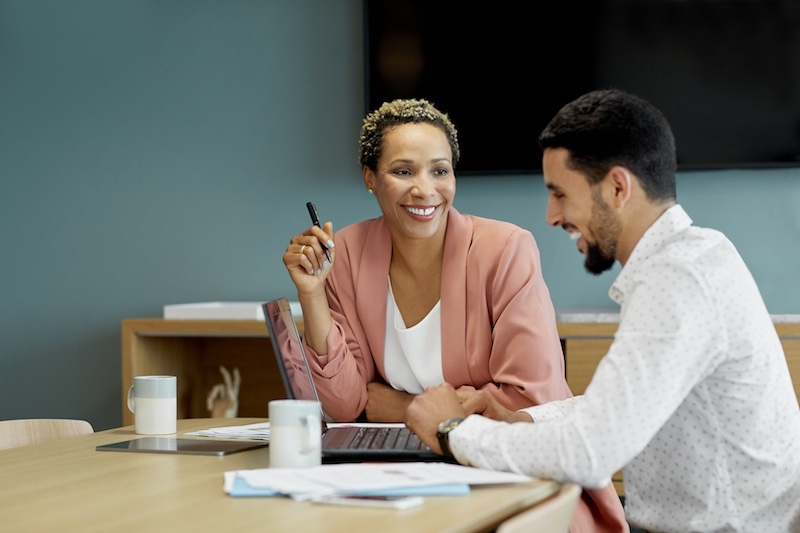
(423, 187)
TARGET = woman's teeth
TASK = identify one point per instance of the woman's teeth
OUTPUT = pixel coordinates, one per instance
(422, 212)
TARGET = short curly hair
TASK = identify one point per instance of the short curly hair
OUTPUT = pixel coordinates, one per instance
(395, 113)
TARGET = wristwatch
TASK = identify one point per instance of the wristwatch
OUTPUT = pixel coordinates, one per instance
(443, 434)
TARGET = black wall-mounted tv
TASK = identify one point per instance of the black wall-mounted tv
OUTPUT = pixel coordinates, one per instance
(726, 73)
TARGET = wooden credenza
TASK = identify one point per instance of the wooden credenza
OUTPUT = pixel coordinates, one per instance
(194, 350)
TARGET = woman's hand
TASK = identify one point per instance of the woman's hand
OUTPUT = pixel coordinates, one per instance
(482, 403)
(385, 404)
(309, 268)
(306, 261)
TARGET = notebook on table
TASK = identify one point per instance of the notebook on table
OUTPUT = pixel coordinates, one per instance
(340, 443)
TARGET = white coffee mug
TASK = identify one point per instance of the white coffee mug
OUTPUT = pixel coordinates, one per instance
(153, 400)
(295, 433)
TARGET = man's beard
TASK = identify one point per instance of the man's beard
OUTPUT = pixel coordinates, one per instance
(601, 255)
(597, 261)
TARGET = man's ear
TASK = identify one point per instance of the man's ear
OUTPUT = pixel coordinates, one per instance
(621, 182)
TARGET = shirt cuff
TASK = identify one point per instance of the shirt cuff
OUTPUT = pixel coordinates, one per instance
(464, 440)
(551, 410)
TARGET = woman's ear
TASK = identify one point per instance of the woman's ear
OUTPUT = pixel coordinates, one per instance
(369, 179)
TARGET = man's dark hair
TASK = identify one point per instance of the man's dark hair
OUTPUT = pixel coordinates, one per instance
(605, 128)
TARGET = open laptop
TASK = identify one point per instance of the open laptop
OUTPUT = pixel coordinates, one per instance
(340, 443)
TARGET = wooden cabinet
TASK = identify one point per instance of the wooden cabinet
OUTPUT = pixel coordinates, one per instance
(585, 343)
(194, 350)
(790, 338)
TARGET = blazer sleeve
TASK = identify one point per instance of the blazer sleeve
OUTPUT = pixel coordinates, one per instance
(356, 291)
(511, 329)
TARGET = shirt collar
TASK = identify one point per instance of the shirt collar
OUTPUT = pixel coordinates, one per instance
(671, 222)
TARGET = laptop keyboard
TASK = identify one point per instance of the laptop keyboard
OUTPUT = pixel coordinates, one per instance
(375, 438)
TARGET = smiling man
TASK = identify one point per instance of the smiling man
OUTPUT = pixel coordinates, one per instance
(693, 399)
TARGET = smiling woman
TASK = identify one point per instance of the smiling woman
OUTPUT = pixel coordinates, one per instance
(382, 323)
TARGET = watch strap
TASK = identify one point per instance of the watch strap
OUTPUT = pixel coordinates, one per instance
(443, 434)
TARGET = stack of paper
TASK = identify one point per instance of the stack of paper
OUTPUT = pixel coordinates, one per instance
(215, 311)
(222, 311)
(392, 479)
(257, 431)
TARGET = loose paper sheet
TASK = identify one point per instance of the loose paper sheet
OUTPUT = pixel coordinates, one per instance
(362, 478)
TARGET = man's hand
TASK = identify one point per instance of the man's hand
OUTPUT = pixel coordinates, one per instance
(427, 410)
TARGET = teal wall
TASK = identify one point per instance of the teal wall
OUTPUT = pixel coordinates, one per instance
(161, 151)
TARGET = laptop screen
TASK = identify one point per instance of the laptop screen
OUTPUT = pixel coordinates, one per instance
(289, 352)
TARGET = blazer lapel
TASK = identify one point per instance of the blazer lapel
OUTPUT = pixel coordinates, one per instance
(374, 285)
(454, 294)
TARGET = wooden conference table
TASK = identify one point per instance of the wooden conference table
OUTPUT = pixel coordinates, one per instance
(67, 485)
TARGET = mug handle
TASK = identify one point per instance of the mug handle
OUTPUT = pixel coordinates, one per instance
(313, 433)
(131, 401)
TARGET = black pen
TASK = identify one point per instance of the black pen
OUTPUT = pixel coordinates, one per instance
(312, 211)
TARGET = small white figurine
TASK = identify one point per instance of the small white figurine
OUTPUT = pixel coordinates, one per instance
(223, 400)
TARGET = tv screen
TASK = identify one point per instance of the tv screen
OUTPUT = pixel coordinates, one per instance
(726, 73)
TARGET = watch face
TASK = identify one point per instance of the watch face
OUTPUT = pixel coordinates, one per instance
(448, 425)
(444, 430)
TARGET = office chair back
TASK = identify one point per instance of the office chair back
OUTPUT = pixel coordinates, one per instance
(15, 433)
(551, 516)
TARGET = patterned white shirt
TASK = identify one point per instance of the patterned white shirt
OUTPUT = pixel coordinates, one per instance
(694, 398)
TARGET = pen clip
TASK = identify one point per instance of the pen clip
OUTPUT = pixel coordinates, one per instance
(312, 211)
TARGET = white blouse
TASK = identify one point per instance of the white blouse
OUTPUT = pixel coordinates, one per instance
(412, 356)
